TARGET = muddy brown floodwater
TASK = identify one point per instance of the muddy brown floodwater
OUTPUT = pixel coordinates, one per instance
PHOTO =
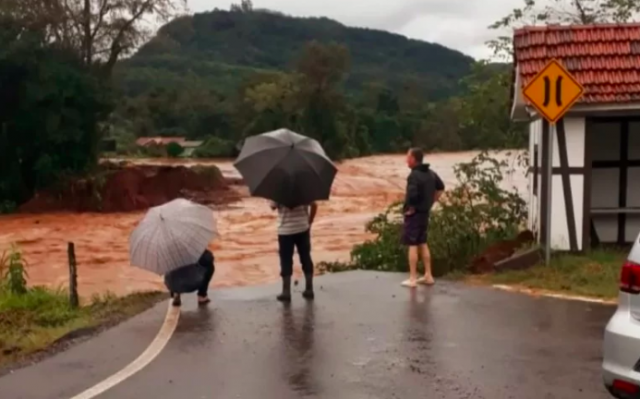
(246, 249)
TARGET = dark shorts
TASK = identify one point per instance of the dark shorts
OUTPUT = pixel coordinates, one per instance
(414, 231)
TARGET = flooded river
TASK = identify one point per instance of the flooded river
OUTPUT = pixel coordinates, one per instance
(246, 250)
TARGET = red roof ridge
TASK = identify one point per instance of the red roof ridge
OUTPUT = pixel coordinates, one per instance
(565, 27)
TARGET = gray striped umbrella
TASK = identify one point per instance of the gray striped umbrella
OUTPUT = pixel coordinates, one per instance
(286, 167)
(171, 236)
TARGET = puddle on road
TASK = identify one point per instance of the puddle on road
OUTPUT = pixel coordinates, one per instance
(246, 249)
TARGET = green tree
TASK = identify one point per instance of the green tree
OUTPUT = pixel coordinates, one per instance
(244, 6)
(50, 109)
(174, 150)
(440, 129)
(272, 103)
(99, 31)
(323, 68)
(485, 120)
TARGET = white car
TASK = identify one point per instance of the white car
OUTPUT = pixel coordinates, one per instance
(621, 357)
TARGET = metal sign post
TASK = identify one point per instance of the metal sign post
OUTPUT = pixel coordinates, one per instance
(552, 92)
(549, 176)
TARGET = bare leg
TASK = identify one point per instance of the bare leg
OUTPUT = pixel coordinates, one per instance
(413, 267)
(203, 297)
(426, 261)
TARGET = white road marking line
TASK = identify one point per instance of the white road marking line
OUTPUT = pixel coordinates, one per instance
(552, 295)
(152, 351)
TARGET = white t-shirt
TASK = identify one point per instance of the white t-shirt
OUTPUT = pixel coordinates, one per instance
(292, 221)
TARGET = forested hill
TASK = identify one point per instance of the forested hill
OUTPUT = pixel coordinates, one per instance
(224, 47)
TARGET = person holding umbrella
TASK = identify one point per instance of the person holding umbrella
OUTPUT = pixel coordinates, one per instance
(172, 241)
(294, 231)
(293, 172)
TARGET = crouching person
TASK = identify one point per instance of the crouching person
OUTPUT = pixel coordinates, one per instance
(190, 278)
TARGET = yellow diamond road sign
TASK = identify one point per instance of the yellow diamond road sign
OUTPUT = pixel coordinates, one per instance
(553, 91)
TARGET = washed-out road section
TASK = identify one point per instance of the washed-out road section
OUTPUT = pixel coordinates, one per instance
(365, 336)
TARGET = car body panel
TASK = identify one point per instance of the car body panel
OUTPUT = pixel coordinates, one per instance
(621, 348)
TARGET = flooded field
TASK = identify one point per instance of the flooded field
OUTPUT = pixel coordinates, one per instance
(246, 250)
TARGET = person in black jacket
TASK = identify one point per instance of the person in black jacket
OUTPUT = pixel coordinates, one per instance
(424, 188)
(206, 261)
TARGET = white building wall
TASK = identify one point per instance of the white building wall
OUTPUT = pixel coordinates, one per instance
(575, 138)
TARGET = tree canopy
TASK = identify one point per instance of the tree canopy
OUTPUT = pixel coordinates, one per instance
(50, 110)
(99, 31)
(311, 97)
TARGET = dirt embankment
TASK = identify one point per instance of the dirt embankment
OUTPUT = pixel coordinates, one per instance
(127, 188)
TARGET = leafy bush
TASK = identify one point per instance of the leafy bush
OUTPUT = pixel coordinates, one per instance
(153, 151)
(7, 207)
(215, 147)
(174, 150)
(471, 216)
(13, 272)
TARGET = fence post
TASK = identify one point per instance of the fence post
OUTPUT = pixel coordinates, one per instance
(73, 276)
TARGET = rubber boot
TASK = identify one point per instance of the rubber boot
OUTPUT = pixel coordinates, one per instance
(308, 289)
(177, 301)
(286, 290)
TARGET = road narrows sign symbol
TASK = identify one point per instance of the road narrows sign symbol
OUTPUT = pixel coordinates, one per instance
(553, 91)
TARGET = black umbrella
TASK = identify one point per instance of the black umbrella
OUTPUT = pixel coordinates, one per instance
(286, 167)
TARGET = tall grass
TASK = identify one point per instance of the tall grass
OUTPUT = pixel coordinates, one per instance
(13, 272)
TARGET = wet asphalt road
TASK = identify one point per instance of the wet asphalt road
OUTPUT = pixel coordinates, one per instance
(366, 337)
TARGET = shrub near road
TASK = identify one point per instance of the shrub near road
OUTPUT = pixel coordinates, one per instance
(471, 216)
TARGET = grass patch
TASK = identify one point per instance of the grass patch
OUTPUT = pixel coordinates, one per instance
(595, 274)
(33, 321)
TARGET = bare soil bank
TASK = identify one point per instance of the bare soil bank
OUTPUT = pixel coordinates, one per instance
(126, 188)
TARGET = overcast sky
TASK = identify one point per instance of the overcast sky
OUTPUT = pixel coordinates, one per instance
(459, 24)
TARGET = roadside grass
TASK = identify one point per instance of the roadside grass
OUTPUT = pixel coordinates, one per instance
(34, 319)
(41, 317)
(594, 274)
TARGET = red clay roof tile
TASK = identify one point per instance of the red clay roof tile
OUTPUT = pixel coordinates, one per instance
(604, 58)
